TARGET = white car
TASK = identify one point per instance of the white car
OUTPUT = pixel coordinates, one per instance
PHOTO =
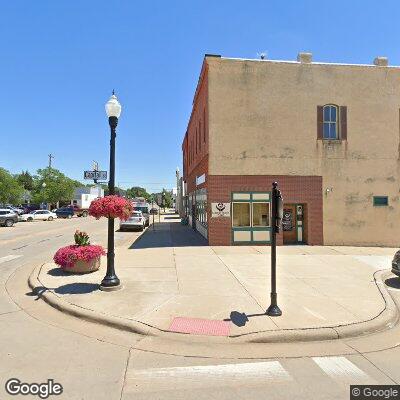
(135, 221)
(38, 215)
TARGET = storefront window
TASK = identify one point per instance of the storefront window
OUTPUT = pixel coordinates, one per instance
(241, 214)
(201, 206)
(261, 214)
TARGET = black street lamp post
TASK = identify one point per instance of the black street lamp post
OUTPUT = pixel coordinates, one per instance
(111, 280)
(152, 210)
(276, 218)
(163, 201)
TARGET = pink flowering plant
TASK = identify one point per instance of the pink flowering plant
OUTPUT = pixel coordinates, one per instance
(111, 207)
(82, 250)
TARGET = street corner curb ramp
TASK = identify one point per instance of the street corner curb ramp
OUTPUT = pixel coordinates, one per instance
(197, 330)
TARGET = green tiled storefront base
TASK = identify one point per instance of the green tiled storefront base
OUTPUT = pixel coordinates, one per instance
(248, 235)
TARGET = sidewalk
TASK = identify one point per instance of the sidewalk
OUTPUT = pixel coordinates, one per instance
(324, 292)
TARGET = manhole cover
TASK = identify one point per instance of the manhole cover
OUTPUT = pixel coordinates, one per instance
(198, 326)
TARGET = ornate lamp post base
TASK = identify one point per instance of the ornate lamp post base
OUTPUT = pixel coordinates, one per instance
(110, 288)
(273, 311)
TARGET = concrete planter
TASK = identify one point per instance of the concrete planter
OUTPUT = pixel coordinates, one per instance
(83, 267)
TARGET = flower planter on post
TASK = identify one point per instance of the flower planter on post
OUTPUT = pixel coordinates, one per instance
(111, 207)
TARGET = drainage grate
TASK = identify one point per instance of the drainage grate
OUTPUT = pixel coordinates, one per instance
(198, 326)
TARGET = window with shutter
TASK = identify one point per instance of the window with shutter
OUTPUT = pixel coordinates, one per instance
(199, 135)
(204, 125)
(343, 122)
(320, 122)
(330, 122)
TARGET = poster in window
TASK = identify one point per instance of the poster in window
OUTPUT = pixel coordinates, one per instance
(287, 220)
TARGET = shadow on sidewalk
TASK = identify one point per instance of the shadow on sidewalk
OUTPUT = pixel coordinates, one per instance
(57, 272)
(169, 234)
(393, 282)
(69, 288)
(77, 288)
(240, 319)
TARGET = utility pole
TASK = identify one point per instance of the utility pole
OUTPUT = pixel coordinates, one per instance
(96, 168)
(50, 158)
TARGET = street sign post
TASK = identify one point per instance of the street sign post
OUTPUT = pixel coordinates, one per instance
(95, 175)
(276, 222)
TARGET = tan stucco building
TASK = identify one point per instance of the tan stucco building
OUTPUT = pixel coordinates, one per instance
(328, 133)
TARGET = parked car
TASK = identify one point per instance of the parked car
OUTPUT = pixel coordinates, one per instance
(135, 221)
(396, 263)
(144, 208)
(30, 207)
(80, 212)
(8, 217)
(65, 212)
(18, 210)
(38, 215)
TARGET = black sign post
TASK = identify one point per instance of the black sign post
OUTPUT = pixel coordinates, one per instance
(276, 218)
(152, 207)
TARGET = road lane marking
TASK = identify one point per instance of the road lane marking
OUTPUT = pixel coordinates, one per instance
(9, 258)
(21, 247)
(341, 368)
(271, 370)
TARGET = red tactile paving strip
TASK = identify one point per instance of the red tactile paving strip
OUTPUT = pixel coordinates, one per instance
(198, 326)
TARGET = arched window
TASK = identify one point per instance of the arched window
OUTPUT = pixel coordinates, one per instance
(330, 121)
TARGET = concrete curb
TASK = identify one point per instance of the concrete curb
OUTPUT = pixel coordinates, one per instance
(53, 300)
(386, 319)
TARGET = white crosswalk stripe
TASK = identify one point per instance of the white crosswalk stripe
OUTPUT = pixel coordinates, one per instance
(340, 368)
(265, 370)
(284, 373)
(9, 258)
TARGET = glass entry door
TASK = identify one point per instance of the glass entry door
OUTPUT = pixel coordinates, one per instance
(293, 224)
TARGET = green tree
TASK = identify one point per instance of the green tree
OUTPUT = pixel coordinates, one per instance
(168, 201)
(118, 191)
(78, 184)
(25, 179)
(10, 189)
(51, 186)
(137, 191)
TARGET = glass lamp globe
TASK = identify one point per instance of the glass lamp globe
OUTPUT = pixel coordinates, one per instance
(113, 107)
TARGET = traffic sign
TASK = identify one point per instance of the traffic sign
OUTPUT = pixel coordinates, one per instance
(95, 175)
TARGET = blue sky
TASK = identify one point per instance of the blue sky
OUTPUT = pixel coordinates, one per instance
(61, 59)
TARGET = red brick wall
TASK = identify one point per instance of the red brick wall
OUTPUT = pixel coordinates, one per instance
(200, 169)
(195, 143)
(295, 189)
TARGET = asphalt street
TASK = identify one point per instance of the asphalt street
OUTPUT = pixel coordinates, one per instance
(38, 342)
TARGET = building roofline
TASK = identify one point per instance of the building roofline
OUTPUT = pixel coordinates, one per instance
(311, 63)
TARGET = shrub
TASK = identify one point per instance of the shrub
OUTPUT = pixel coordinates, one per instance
(81, 238)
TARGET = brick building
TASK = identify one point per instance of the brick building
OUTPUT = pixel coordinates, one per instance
(327, 133)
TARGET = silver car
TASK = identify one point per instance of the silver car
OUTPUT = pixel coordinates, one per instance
(135, 221)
